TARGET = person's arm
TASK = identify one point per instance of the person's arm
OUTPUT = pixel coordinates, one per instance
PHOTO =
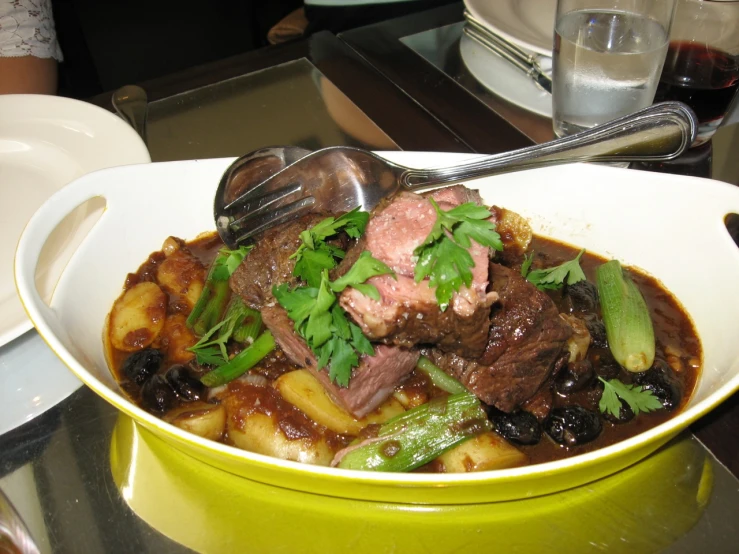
(28, 75)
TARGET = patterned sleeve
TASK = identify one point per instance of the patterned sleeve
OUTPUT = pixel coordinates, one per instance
(27, 29)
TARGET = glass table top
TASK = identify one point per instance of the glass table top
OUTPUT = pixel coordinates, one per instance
(289, 104)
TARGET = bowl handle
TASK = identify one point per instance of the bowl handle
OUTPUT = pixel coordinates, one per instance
(37, 231)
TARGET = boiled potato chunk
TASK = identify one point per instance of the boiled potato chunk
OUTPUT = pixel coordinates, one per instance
(183, 275)
(481, 453)
(260, 433)
(387, 410)
(306, 393)
(202, 419)
(138, 317)
(513, 225)
(176, 338)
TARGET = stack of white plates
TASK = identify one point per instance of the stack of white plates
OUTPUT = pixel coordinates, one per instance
(529, 24)
(46, 142)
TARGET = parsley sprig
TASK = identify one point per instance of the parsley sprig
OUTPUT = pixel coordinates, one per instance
(211, 348)
(322, 323)
(444, 258)
(225, 264)
(315, 255)
(638, 398)
(553, 278)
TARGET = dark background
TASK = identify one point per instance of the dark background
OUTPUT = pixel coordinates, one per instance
(111, 43)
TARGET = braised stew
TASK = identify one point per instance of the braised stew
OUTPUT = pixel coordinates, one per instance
(535, 360)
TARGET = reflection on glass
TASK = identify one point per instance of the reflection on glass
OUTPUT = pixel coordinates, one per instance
(489, 81)
(289, 104)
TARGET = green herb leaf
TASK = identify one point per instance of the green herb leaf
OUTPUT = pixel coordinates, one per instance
(315, 255)
(225, 265)
(528, 259)
(323, 324)
(353, 222)
(214, 349)
(298, 302)
(555, 277)
(343, 359)
(638, 398)
(365, 267)
(444, 259)
(312, 263)
(360, 342)
(210, 355)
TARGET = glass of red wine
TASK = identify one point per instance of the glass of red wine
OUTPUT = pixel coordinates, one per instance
(702, 64)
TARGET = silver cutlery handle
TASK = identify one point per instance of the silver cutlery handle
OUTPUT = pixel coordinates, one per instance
(660, 132)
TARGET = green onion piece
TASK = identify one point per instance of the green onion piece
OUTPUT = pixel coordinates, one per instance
(236, 313)
(241, 363)
(206, 293)
(249, 327)
(420, 435)
(626, 317)
(211, 314)
(439, 378)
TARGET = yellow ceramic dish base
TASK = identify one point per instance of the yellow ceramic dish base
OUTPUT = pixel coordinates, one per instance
(642, 509)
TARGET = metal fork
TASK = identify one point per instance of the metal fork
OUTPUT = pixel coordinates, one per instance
(275, 185)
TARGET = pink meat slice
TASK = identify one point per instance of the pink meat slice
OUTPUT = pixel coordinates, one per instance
(407, 312)
(371, 383)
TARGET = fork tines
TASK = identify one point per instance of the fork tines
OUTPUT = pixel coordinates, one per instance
(265, 215)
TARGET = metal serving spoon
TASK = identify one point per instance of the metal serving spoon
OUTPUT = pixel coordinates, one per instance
(274, 185)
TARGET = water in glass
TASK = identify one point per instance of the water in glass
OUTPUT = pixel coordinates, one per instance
(607, 64)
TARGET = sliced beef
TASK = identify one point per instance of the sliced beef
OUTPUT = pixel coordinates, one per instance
(525, 341)
(269, 261)
(407, 312)
(372, 382)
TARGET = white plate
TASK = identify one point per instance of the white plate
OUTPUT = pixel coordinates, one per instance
(527, 23)
(502, 78)
(46, 142)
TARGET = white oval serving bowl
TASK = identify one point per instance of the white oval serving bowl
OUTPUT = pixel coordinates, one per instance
(670, 226)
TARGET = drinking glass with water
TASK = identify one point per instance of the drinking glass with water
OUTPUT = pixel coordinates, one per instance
(607, 59)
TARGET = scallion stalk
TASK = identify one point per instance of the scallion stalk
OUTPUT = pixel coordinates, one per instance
(248, 328)
(438, 378)
(626, 317)
(420, 435)
(211, 314)
(241, 363)
(212, 299)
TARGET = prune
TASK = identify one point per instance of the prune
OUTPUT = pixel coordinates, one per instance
(576, 376)
(157, 396)
(581, 297)
(572, 425)
(664, 384)
(625, 414)
(518, 427)
(141, 365)
(184, 384)
(604, 363)
(597, 330)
